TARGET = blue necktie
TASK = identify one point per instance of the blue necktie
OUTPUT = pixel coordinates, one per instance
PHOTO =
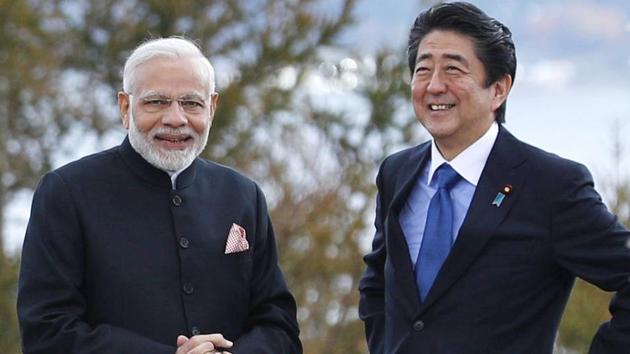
(436, 242)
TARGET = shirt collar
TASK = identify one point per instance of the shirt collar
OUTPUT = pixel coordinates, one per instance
(470, 162)
(175, 174)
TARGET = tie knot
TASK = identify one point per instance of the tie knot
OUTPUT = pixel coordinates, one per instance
(446, 176)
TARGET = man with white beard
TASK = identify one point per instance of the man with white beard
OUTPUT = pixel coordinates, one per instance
(146, 248)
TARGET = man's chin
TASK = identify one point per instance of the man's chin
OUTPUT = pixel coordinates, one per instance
(175, 160)
(168, 146)
(169, 159)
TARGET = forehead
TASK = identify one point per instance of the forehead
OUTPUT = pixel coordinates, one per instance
(172, 76)
(440, 43)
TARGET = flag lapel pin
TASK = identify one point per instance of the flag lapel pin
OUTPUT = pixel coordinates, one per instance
(505, 191)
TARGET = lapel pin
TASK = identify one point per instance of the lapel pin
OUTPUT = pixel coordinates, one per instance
(505, 191)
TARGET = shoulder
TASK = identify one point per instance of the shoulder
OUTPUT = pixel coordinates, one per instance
(93, 165)
(548, 163)
(61, 184)
(552, 174)
(510, 149)
(396, 160)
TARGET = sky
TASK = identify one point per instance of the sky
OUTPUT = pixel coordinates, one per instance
(572, 83)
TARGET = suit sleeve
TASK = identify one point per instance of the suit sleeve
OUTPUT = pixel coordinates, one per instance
(372, 283)
(593, 245)
(271, 326)
(51, 306)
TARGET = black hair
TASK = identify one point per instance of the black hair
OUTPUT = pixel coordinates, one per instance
(492, 39)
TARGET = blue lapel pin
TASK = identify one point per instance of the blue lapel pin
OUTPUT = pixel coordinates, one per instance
(505, 191)
(498, 199)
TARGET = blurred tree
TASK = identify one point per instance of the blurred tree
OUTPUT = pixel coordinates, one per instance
(588, 305)
(308, 119)
(9, 336)
(619, 189)
(34, 114)
(33, 111)
(586, 310)
(330, 223)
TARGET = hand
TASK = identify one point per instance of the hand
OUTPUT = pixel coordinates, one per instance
(203, 344)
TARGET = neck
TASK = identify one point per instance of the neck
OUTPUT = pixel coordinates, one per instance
(450, 148)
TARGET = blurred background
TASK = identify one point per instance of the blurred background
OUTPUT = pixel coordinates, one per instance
(314, 94)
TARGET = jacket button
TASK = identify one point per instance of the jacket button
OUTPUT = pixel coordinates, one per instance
(418, 326)
(195, 331)
(183, 242)
(188, 288)
(177, 200)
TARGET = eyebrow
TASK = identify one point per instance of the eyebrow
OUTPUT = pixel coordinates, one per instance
(186, 95)
(455, 57)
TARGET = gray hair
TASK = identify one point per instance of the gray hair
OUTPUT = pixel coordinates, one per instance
(172, 47)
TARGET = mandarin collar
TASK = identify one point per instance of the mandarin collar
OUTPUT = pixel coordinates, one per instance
(151, 174)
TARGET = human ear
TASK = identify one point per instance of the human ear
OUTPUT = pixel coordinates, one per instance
(123, 107)
(214, 100)
(502, 89)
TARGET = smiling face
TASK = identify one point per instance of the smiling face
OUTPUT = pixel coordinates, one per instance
(169, 112)
(449, 94)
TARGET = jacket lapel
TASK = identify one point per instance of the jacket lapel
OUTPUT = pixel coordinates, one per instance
(397, 245)
(504, 167)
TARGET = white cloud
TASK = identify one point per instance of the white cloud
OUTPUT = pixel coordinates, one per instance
(348, 64)
(287, 78)
(548, 73)
(583, 19)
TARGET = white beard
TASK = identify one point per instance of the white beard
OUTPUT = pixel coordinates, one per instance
(166, 160)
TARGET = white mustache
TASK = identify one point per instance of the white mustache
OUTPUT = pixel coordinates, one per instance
(174, 131)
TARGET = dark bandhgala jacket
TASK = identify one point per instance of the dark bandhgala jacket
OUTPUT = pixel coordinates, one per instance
(115, 261)
(505, 283)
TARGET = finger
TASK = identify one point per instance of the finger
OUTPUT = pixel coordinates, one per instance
(203, 348)
(194, 343)
(216, 338)
(181, 340)
(220, 341)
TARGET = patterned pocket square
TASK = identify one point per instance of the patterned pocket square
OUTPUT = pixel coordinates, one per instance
(237, 240)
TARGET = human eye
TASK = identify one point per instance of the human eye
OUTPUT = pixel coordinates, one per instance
(422, 69)
(157, 102)
(192, 105)
(453, 69)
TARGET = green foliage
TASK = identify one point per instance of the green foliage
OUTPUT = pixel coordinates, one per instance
(316, 163)
(588, 305)
(586, 310)
(310, 158)
(9, 336)
(33, 111)
(314, 157)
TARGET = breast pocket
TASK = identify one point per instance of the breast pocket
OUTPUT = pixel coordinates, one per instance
(236, 257)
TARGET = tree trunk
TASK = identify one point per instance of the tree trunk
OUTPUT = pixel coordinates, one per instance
(2, 217)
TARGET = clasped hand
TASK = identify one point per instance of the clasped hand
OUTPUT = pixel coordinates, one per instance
(203, 344)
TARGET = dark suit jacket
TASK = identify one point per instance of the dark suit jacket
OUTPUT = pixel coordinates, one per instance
(506, 281)
(115, 261)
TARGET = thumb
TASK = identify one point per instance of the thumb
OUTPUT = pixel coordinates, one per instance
(181, 340)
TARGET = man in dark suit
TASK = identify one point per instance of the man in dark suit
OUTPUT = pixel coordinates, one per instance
(146, 248)
(479, 236)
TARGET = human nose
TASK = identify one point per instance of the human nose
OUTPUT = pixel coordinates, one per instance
(174, 116)
(436, 84)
